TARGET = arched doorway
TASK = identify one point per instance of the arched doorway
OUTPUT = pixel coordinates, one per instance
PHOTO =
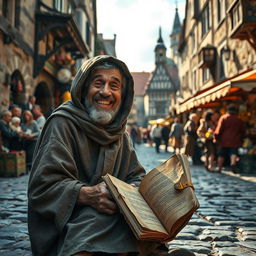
(44, 98)
(18, 89)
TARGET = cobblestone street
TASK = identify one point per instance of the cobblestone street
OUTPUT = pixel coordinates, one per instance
(224, 225)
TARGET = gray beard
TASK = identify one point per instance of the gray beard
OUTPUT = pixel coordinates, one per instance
(100, 116)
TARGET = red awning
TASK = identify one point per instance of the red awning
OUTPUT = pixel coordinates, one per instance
(245, 81)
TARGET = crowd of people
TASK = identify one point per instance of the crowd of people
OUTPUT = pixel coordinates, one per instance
(20, 127)
(211, 139)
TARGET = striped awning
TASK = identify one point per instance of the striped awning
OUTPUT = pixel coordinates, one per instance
(245, 81)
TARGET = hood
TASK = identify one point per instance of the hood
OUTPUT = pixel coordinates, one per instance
(76, 111)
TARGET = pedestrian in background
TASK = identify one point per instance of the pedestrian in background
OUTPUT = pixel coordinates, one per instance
(15, 124)
(16, 142)
(148, 135)
(9, 136)
(176, 134)
(38, 116)
(190, 139)
(15, 110)
(229, 133)
(31, 132)
(30, 103)
(156, 135)
(205, 131)
(134, 134)
(165, 135)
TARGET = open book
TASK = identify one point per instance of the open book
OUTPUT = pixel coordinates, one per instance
(162, 205)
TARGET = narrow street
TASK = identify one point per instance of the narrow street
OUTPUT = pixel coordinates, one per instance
(224, 225)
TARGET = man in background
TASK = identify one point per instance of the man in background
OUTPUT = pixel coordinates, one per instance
(229, 133)
(38, 116)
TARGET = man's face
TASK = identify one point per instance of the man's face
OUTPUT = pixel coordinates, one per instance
(16, 111)
(7, 118)
(103, 98)
(36, 110)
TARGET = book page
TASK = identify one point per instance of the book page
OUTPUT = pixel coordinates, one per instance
(135, 203)
(158, 189)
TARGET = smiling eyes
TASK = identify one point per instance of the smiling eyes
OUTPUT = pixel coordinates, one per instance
(114, 85)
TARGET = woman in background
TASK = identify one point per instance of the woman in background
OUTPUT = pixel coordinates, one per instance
(205, 131)
(31, 133)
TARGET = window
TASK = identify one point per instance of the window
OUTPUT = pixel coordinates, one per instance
(58, 5)
(235, 16)
(160, 108)
(88, 34)
(194, 8)
(193, 43)
(205, 20)
(222, 71)
(220, 10)
(5, 10)
(206, 75)
(187, 79)
(70, 8)
(194, 85)
(17, 14)
(11, 11)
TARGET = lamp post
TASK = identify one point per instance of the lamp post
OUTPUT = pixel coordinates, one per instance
(226, 53)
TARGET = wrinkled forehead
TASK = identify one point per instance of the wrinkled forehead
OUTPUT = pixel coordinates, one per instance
(113, 74)
(100, 67)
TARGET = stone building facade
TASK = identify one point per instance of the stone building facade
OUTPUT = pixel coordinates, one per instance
(138, 111)
(217, 45)
(16, 50)
(42, 43)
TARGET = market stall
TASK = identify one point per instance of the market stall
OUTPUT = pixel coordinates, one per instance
(240, 90)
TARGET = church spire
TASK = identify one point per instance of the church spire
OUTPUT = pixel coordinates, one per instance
(176, 24)
(175, 36)
(160, 39)
(160, 49)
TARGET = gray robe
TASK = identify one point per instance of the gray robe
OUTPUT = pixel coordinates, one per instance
(73, 151)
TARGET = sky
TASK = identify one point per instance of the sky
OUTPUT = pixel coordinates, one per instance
(136, 25)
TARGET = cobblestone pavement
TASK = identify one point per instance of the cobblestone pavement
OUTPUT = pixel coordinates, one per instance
(224, 225)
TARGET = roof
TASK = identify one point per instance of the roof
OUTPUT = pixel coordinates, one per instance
(109, 46)
(140, 82)
(106, 46)
(173, 73)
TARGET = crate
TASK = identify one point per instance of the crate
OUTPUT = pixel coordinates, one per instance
(12, 164)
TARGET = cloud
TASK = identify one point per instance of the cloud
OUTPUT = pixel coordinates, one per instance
(136, 24)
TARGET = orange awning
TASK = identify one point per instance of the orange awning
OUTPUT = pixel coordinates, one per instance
(245, 81)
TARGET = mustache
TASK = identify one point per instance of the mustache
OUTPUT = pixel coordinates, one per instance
(99, 97)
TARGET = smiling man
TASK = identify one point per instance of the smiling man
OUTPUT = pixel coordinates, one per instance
(70, 210)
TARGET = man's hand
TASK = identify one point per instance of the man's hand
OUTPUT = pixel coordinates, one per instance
(97, 197)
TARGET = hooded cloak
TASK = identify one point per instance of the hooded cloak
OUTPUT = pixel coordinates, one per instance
(73, 151)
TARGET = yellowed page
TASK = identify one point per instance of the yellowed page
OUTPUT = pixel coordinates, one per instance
(137, 205)
(168, 204)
